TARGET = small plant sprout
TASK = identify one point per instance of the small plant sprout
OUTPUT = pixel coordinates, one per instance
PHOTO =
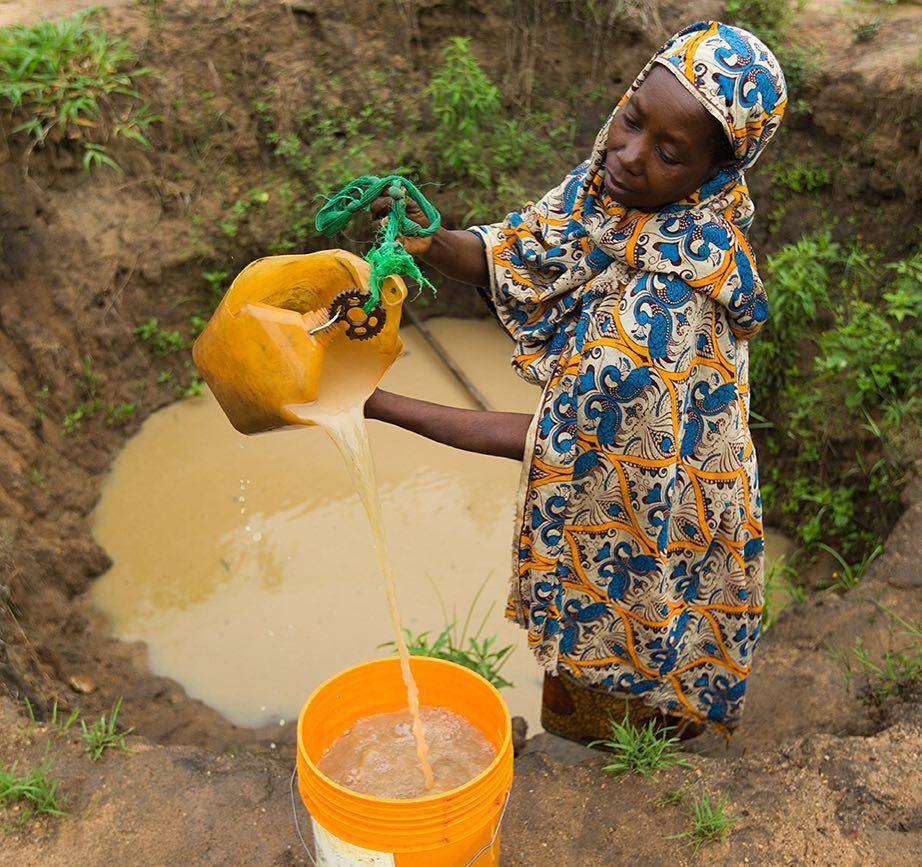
(473, 652)
(34, 792)
(898, 667)
(641, 749)
(676, 797)
(60, 722)
(102, 734)
(849, 575)
(710, 822)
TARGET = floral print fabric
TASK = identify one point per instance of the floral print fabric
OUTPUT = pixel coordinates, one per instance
(638, 564)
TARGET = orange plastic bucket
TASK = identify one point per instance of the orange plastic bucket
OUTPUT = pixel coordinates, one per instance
(443, 830)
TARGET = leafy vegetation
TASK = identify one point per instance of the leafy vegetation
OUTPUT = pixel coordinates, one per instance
(103, 735)
(476, 654)
(475, 140)
(641, 749)
(801, 177)
(897, 669)
(65, 80)
(835, 375)
(710, 821)
(33, 791)
(781, 586)
(472, 651)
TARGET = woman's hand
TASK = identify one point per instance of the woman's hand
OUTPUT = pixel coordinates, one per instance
(379, 217)
(456, 253)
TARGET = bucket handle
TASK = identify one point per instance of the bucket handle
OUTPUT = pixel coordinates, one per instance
(477, 854)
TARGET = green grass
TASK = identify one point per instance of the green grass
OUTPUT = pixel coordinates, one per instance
(675, 798)
(641, 749)
(840, 358)
(899, 667)
(477, 654)
(781, 580)
(33, 791)
(472, 651)
(160, 340)
(802, 178)
(710, 822)
(66, 80)
(103, 735)
(60, 722)
(849, 575)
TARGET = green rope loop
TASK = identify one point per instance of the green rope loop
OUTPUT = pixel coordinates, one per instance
(387, 256)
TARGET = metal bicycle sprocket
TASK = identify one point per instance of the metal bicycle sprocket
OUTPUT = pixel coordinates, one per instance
(348, 307)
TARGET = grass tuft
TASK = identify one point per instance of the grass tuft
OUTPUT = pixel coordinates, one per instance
(642, 749)
(65, 79)
(710, 822)
(33, 791)
(102, 735)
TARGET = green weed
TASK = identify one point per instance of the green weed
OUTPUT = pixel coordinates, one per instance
(477, 654)
(65, 80)
(710, 822)
(802, 178)
(62, 723)
(103, 735)
(675, 798)
(641, 749)
(899, 667)
(119, 414)
(33, 791)
(41, 403)
(472, 651)
(841, 353)
(163, 342)
(849, 575)
(781, 587)
(37, 476)
(195, 387)
(866, 30)
(475, 141)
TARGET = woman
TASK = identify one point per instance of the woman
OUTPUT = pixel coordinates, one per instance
(631, 293)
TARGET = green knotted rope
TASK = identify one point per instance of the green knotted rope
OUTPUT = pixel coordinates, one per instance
(387, 256)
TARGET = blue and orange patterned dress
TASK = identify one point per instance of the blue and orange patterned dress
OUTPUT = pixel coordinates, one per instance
(638, 564)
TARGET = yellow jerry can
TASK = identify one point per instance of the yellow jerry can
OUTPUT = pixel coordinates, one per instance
(291, 344)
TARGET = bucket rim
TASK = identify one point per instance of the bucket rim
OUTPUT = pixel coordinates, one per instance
(489, 770)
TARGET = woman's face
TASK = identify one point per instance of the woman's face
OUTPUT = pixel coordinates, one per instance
(661, 145)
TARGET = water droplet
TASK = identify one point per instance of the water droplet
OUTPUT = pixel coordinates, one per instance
(241, 499)
(272, 744)
(248, 528)
(281, 722)
(263, 708)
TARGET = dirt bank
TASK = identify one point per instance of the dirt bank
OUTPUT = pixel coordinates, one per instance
(86, 259)
(815, 777)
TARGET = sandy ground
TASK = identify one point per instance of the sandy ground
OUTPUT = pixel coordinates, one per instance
(24, 11)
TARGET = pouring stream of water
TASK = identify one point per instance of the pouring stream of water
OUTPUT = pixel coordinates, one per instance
(348, 431)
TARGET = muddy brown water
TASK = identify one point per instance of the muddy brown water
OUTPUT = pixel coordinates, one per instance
(377, 755)
(246, 565)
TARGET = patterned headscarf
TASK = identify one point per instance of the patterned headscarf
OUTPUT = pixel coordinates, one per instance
(552, 249)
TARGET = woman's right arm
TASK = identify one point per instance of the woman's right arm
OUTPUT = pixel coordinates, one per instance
(456, 253)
